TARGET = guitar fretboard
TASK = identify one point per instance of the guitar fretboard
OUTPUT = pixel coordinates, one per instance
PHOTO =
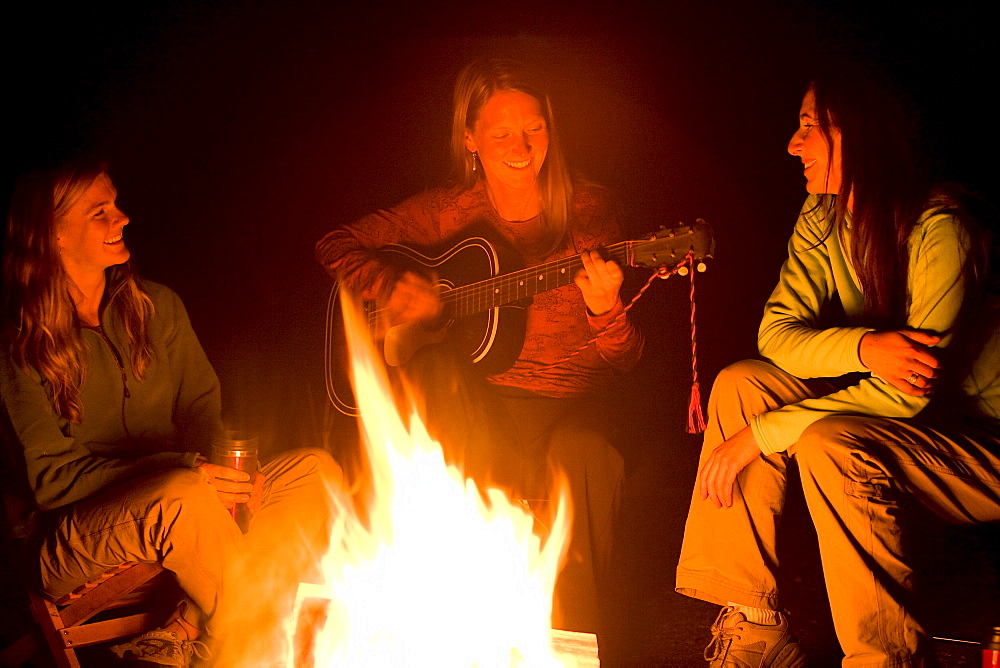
(500, 290)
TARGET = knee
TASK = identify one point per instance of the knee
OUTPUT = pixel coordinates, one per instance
(743, 378)
(313, 464)
(839, 447)
(322, 464)
(175, 493)
(834, 435)
(576, 437)
(178, 484)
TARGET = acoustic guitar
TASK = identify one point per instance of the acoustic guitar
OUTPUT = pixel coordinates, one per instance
(484, 294)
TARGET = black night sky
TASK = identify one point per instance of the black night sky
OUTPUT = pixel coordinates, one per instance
(239, 132)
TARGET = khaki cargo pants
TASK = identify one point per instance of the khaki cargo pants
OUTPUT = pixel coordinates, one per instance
(240, 584)
(855, 471)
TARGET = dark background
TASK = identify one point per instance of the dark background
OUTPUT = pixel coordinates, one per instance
(238, 133)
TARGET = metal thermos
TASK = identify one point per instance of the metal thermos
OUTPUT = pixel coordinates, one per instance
(991, 649)
(238, 451)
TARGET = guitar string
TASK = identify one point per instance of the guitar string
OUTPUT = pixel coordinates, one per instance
(482, 291)
(487, 294)
(481, 294)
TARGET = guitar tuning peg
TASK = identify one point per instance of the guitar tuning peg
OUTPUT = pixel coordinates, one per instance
(701, 267)
(682, 270)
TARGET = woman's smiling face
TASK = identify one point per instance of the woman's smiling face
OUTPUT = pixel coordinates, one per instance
(820, 154)
(90, 232)
(511, 138)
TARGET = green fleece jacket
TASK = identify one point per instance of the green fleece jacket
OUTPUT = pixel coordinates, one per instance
(796, 335)
(130, 427)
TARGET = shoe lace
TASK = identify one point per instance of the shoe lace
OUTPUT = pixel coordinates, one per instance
(721, 636)
(197, 648)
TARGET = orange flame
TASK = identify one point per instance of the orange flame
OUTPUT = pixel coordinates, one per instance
(436, 576)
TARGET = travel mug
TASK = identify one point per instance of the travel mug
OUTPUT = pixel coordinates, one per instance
(238, 451)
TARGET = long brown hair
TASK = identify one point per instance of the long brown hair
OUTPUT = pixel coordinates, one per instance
(477, 83)
(883, 170)
(40, 315)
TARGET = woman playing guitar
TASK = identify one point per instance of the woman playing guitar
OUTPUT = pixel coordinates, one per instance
(539, 414)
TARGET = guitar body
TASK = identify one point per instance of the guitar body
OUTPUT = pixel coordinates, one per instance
(491, 339)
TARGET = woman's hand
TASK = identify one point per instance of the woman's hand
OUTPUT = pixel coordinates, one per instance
(901, 358)
(413, 298)
(256, 493)
(599, 281)
(718, 474)
(234, 486)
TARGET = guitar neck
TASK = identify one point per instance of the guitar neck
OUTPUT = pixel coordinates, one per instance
(508, 288)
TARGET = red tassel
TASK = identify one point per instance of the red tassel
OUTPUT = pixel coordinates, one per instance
(696, 420)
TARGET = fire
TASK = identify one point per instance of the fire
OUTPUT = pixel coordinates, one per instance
(435, 576)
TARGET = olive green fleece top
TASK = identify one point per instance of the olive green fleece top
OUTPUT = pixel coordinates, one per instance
(130, 427)
(795, 336)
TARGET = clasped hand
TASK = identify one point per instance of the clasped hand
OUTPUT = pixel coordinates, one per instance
(600, 281)
(232, 485)
(902, 358)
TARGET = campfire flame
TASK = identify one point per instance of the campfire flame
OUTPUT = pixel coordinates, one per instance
(435, 575)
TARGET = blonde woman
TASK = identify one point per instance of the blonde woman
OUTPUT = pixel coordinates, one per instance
(536, 411)
(110, 407)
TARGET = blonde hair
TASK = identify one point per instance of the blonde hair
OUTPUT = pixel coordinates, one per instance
(41, 320)
(477, 83)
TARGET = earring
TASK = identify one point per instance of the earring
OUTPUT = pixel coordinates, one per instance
(475, 158)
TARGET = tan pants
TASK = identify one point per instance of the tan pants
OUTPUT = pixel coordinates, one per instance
(241, 583)
(855, 472)
(569, 437)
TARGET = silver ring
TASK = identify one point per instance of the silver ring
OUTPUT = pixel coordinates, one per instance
(913, 378)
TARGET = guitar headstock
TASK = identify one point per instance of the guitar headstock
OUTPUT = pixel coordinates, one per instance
(668, 247)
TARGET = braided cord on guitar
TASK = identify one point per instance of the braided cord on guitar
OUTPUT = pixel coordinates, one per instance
(696, 419)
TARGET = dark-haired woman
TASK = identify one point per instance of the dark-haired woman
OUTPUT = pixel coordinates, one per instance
(513, 185)
(109, 404)
(878, 384)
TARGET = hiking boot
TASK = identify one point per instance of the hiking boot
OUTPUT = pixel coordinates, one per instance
(162, 648)
(737, 643)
